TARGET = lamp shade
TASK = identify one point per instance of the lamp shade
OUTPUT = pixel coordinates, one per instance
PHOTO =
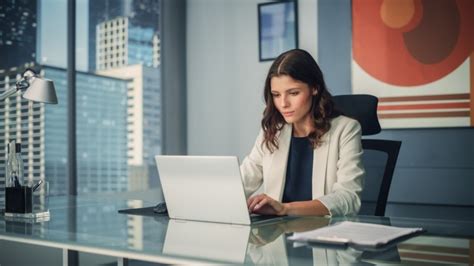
(41, 90)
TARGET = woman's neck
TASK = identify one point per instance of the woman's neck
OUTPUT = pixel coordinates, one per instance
(303, 128)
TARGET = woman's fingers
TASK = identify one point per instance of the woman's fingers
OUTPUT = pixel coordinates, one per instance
(264, 204)
(254, 201)
(251, 199)
(263, 201)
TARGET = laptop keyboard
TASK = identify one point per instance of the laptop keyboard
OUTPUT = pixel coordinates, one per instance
(258, 218)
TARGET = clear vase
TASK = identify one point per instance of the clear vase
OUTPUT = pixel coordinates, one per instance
(14, 173)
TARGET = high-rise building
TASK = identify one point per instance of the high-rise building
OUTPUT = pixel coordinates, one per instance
(17, 32)
(101, 116)
(120, 43)
(141, 13)
(156, 51)
(143, 123)
(127, 45)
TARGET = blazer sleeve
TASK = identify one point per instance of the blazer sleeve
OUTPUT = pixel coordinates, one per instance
(252, 167)
(344, 196)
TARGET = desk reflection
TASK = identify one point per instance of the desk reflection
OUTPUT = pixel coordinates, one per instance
(262, 244)
(268, 245)
(213, 241)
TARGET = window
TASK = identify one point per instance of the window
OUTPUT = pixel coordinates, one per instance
(26, 120)
(105, 98)
(111, 157)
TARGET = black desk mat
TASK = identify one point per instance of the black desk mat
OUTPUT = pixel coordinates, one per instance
(147, 211)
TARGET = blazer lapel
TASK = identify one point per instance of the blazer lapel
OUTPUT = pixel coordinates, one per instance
(320, 158)
(277, 171)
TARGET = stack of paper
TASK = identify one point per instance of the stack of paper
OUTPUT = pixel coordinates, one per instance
(364, 234)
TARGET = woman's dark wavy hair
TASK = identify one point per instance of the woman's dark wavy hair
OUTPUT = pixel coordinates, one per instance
(301, 66)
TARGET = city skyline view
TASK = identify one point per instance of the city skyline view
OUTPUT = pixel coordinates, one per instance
(118, 108)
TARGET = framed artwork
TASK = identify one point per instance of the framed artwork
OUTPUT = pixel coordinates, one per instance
(277, 28)
(417, 58)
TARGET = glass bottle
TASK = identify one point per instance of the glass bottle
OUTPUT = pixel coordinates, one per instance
(14, 176)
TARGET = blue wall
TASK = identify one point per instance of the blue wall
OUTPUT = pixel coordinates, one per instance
(435, 166)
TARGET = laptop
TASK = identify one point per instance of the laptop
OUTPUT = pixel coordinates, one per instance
(206, 188)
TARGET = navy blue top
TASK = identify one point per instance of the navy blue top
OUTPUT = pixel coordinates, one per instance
(299, 171)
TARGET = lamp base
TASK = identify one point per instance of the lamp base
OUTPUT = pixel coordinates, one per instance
(19, 200)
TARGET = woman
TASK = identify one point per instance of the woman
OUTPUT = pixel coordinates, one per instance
(307, 155)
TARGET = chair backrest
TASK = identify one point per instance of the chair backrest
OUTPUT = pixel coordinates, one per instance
(391, 148)
(363, 108)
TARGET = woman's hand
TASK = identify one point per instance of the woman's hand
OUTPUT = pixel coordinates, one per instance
(265, 234)
(263, 204)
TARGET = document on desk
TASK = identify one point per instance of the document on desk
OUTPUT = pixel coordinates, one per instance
(363, 234)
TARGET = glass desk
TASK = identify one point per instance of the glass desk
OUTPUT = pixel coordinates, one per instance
(93, 225)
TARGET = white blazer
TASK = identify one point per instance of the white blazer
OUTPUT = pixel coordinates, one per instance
(337, 167)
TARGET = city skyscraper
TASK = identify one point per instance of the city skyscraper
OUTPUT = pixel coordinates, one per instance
(120, 43)
(143, 121)
(101, 133)
(17, 33)
(141, 13)
(129, 47)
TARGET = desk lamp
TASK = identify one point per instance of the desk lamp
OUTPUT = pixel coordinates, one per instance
(33, 88)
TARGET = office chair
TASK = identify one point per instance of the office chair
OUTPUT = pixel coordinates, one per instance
(363, 108)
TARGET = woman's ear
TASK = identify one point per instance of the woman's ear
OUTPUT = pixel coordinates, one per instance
(315, 91)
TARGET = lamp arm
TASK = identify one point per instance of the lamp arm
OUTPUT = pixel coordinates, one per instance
(22, 84)
(8, 93)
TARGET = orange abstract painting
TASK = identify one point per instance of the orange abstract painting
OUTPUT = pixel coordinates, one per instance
(417, 57)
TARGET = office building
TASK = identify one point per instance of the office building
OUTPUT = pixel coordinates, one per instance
(140, 13)
(156, 50)
(128, 46)
(101, 136)
(143, 121)
(120, 43)
(17, 32)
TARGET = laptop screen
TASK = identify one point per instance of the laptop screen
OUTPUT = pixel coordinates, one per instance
(203, 188)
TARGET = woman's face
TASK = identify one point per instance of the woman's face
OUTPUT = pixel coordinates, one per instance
(292, 98)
